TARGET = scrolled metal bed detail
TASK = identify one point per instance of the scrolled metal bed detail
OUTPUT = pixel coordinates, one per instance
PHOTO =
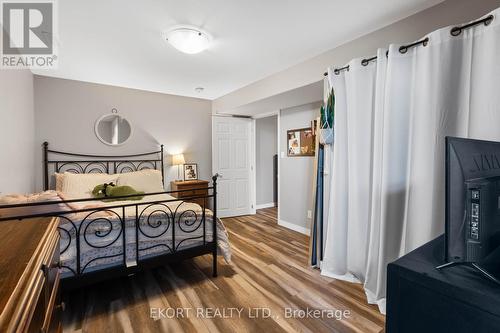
(121, 239)
(86, 163)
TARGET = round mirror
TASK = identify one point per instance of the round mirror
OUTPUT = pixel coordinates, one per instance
(113, 130)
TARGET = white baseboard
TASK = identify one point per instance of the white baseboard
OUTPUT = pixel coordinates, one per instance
(294, 227)
(266, 205)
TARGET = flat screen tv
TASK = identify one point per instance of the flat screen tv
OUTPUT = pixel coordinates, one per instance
(472, 231)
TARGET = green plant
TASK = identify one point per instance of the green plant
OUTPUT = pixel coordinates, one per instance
(327, 111)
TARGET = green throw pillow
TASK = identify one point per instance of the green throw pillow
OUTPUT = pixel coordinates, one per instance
(107, 192)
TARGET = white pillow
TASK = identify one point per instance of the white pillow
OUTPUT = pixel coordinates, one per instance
(59, 181)
(148, 181)
(80, 185)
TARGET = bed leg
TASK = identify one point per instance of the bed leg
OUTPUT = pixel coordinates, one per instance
(214, 268)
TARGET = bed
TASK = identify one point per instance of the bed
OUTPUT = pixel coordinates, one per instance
(103, 239)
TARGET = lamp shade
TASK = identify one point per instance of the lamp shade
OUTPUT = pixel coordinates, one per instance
(178, 159)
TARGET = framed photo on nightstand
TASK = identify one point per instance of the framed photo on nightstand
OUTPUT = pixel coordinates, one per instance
(190, 171)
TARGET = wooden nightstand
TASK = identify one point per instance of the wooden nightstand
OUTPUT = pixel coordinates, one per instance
(195, 187)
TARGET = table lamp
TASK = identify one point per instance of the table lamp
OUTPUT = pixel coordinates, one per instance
(178, 160)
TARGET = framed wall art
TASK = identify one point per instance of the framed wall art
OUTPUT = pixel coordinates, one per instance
(301, 142)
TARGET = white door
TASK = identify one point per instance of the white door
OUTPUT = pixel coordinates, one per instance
(232, 155)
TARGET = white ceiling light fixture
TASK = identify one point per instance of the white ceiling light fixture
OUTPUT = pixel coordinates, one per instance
(187, 39)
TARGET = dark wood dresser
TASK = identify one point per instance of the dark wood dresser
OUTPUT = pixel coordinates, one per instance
(29, 276)
(191, 188)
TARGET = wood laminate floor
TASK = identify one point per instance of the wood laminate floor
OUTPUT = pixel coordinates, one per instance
(268, 278)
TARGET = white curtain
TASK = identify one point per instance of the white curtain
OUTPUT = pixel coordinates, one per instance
(391, 117)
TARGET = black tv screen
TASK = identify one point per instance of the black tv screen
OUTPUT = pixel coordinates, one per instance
(472, 229)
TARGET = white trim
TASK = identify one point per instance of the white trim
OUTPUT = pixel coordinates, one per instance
(253, 172)
(278, 135)
(294, 227)
(265, 114)
(266, 205)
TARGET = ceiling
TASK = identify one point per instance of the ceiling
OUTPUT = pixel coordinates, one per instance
(307, 94)
(118, 42)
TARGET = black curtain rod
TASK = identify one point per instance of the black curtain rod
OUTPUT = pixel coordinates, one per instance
(341, 69)
(365, 62)
(404, 48)
(455, 31)
(458, 29)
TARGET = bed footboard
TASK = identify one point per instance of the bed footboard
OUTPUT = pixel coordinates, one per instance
(106, 242)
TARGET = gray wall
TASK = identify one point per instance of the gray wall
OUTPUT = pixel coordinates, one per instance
(449, 12)
(17, 128)
(66, 112)
(266, 134)
(295, 173)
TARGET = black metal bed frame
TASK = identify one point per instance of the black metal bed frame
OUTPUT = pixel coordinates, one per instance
(101, 163)
(92, 226)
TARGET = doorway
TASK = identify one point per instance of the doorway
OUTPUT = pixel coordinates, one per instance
(266, 161)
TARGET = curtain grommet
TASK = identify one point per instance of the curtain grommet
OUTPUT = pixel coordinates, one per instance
(456, 31)
(488, 20)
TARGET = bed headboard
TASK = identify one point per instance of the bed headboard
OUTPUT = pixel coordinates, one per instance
(59, 161)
